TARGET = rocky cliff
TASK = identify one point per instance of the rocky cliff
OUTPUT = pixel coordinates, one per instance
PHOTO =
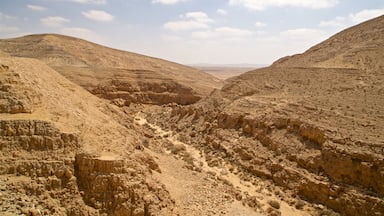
(311, 125)
(63, 155)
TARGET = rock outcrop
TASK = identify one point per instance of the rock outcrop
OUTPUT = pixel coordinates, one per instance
(37, 167)
(14, 100)
(293, 154)
(121, 76)
(123, 93)
(310, 127)
(118, 187)
(55, 150)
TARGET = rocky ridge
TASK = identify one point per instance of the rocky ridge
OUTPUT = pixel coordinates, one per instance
(120, 76)
(311, 124)
(338, 51)
(58, 160)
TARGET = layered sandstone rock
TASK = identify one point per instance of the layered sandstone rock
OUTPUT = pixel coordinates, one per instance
(53, 146)
(310, 124)
(121, 76)
(123, 93)
(117, 187)
(14, 100)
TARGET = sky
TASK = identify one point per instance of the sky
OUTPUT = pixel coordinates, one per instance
(191, 31)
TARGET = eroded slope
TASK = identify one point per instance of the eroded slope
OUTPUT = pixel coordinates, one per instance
(311, 125)
(357, 47)
(120, 76)
(66, 152)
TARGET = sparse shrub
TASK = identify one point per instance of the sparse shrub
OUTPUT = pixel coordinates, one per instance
(252, 202)
(273, 212)
(187, 157)
(145, 142)
(274, 204)
(177, 148)
(299, 204)
(327, 212)
(183, 138)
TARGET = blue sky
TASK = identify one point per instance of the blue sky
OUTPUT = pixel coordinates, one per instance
(191, 31)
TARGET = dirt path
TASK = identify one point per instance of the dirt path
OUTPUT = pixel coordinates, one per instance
(202, 193)
(196, 193)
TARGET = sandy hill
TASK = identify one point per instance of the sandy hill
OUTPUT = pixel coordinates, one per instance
(121, 76)
(310, 126)
(63, 151)
(357, 47)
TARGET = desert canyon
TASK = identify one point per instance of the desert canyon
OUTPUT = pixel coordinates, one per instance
(90, 130)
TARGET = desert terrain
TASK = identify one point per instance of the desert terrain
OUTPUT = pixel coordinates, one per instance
(113, 74)
(89, 130)
(224, 72)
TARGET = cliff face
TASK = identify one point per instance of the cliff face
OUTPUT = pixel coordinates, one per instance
(123, 93)
(61, 155)
(121, 76)
(37, 169)
(316, 163)
(310, 124)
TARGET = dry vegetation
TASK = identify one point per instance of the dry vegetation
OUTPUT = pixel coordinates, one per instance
(302, 137)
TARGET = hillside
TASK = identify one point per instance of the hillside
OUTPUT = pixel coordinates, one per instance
(66, 152)
(121, 76)
(63, 151)
(358, 47)
(301, 137)
(309, 128)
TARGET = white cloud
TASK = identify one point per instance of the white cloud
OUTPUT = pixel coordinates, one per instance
(36, 7)
(264, 4)
(168, 2)
(55, 21)
(351, 19)
(190, 21)
(8, 29)
(82, 33)
(98, 15)
(365, 15)
(6, 17)
(260, 24)
(171, 38)
(233, 31)
(335, 23)
(261, 33)
(295, 41)
(302, 34)
(75, 31)
(199, 17)
(221, 11)
(185, 25)
(100, 2)
(223, 33)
